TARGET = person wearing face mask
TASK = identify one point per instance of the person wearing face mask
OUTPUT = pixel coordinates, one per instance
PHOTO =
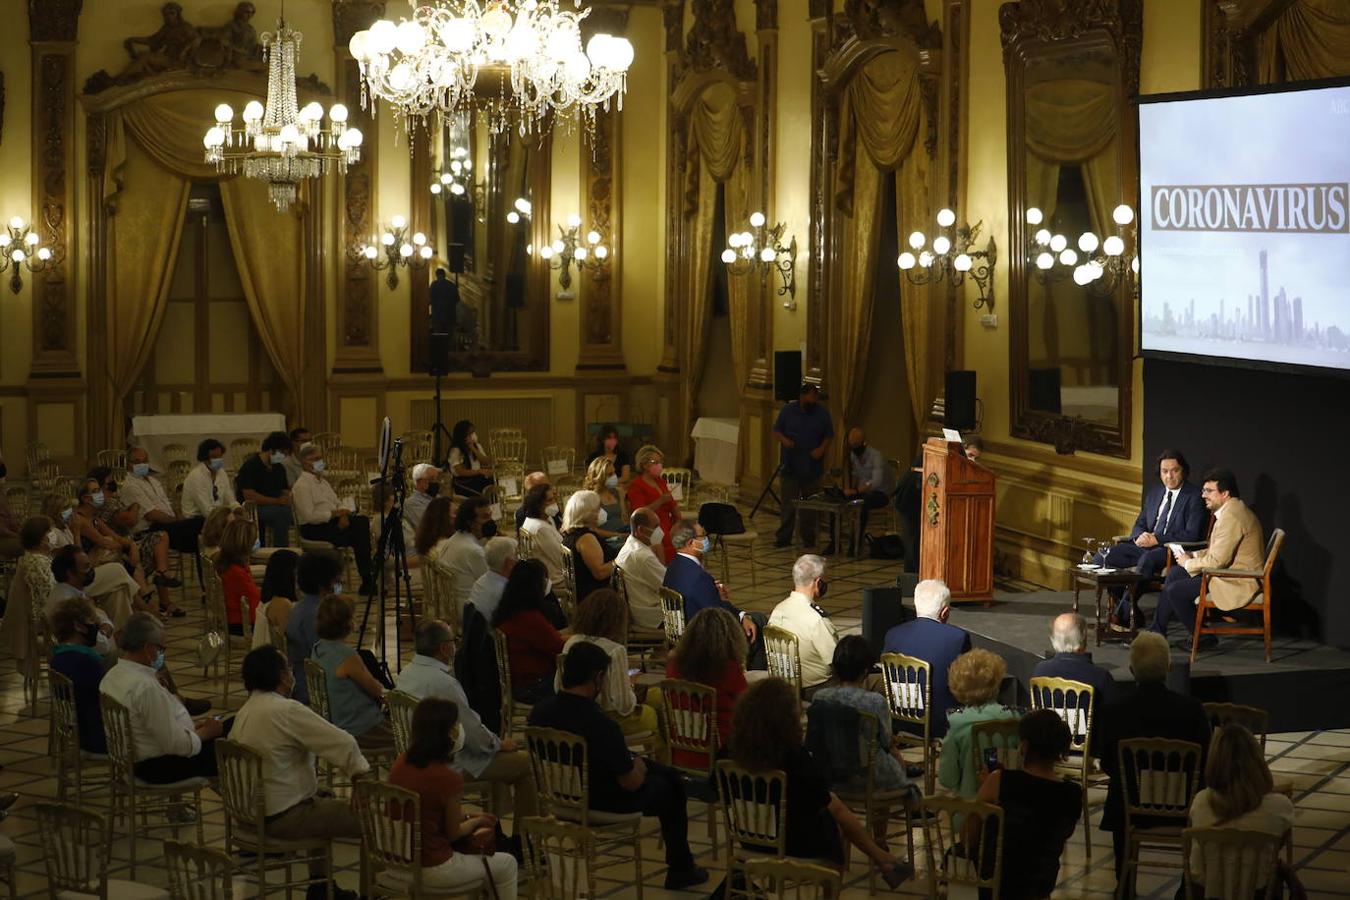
(686, 576)
(318, 574)
(463, 552)
(470, 467)
(73, 575)
(105, 546)
(323, 517)
(241, 592)
(262, 481)
(650, 491)
(300, 438)
(426, 485)
(167, 745)
(804, 430)
(607, 448)
(76, 628)
(802, 615)
(540, 504)
(532, 480)
(207, 486)
(869, 480)
(113, 587)
(643, 573)
(601, 478)
(290, 735)
(144, 490)
(593, 560)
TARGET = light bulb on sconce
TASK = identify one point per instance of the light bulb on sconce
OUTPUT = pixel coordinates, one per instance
(950, 254)
(392, 250)
(587, 252)
(761, 250)
(1098, 263)
(20, 249)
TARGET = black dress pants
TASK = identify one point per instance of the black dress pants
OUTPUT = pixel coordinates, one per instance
(356, 535)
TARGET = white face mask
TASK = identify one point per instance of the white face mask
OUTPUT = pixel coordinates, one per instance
(658, 535)
(602, 518)
(612, 482)
(459, 739)
(551, 510)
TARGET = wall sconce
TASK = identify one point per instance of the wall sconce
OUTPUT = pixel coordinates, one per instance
(521, 212)
(1099, 264)
(568, 248)
(951, 257)
(456, 178)
(392, 250)
(761, 250)
(21, 248)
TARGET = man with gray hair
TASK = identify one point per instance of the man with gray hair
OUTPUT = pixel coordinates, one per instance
(643, 573)
(687, 577)
(1068, 637)
(167, 745)
(1151, 711)
(501, 554)
(800, 614)
(929, 638)
(323, 517)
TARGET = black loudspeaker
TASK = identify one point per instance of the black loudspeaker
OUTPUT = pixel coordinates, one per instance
(456, 252)
(960, 400)
(884, 608)
(1179, 678)
(439, 355)
(787, 374)
(1044, 385)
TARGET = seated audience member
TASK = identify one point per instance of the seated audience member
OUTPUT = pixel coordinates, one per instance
(870, 481)
(470, 466)
(607, 448)
(532, 642)
(643, 571)
(541, 505)
(711, 653)
(290, 735)
(799, 614)
(648, 490)
(532, 480)
(106, 546)
(143, 490)
(354, 695)
(600, 478)
(1173, 511)
(500, 555)
(318, 573)
(435, 529)
(973, 446)
(236, 580)
(1235, 542)
(323, 517)
(1239, 793)
(852, 662)
(462, 553)
(602, 620)
(208, 542)
(929, 638)
(168, 745)
(300, 438)
(620, 782)
(1040, 808)
(109, 578)
(483, 756)
(279, 593)
(261, 480)
(1152, 710)
(207, 486)
(426, 480)
(76, 629)
(1068, 637)
(31, 582)
(72, 571)
(766, 734)
(686, 575)
(592, 564)
(974, 678)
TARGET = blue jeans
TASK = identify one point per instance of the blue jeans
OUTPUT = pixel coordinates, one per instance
(278, 519)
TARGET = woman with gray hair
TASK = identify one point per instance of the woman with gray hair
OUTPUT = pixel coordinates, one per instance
(593, 559)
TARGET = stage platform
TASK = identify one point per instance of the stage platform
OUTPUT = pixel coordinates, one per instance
(1305, 686)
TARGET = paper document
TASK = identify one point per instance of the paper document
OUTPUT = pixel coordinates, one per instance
(557, 467)
(952, 435)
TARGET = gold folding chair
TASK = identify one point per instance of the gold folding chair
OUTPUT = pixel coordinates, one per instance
(788, 879)
(1235, 864)
(949, 861)
(559, 462)
(65, 729)
(754, 806)
(78, 844)
(909, 687)
(514, 715)
(1000, 736)
(1075, 702)
(640, 640)
(783, 652)
(439, 600)
(567, 597)
(391, 843)
(672, 611)
(1158, 777)
(690, 726)
(198, 873)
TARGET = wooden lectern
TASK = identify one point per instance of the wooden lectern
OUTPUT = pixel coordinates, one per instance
(956, 521)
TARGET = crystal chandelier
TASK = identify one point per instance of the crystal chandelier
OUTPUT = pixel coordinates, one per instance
(281, 144)
(530, 53)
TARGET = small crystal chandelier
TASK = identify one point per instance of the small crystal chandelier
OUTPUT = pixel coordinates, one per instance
(281, 144)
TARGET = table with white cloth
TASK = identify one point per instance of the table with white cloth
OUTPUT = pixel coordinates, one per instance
(154, 433)
(715, 443)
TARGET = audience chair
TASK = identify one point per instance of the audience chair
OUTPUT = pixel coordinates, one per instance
(745, 544)
(1075, 703)
(326, 440)
(438, 596)
(1159, 777)
(524, 544)
(783, 652)
(36, 452)
(559, 462)
(1235, 864)
(555, 856)
(560, 762)
(416, 446)
(508, 445)
(238, 451)
(39, 641)
(198, 873)
(241, 794)
(999, 735)
(1262, 601)
(509, 477)
(567, 597)
(65, 731)
(672, 610)
(78, 845)
(391, 844)
(640, 640)
(788, 879)
(754, 806)
(950, 861)
(1252, 718)
(401, 706)
(217, 620)
(514, 714)
(133, 798)
(681, 482)
(113, 459)
(16, 498)
(690, 725)
(170, 452)
(316, 684)
(908, 693)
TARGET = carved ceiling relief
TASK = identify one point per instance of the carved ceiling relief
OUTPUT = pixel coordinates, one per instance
(715, 42)
(1052, 21)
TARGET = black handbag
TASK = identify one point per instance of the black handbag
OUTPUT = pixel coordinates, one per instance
(720, 518)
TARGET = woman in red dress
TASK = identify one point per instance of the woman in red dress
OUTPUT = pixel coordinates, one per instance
(711, 653)
(649, 490)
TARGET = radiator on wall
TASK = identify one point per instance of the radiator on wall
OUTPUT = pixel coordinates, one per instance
(532, 415)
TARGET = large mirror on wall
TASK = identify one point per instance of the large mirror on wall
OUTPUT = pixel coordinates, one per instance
(1071, 150)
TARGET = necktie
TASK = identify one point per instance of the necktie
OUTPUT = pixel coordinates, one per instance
(1166, 512)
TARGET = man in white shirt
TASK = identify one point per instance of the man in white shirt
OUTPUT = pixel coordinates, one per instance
(168, 745)
(426, 485)
(207, 486)
(323, 517)
(145, 490)
(483, 757)
(799, 614)
(643, 573)
(501, 555)
(289, 735)
(463, 552)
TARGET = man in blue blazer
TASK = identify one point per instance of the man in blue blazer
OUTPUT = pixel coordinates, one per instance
(1068, 637)
(932, 640)
(1172, 511)
(687, 576)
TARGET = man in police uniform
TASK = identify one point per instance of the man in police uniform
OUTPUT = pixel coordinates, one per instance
(800, 614)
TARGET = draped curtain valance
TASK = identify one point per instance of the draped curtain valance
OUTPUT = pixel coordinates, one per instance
(1309, 40)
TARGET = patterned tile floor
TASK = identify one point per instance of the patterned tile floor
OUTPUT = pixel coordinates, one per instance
(1317, 762)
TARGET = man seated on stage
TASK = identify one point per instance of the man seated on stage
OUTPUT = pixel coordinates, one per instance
(1068, 636)
(802, 616)
(426, 485)
(803, 429)
(1235, 542)
(687, 576)
(869, 480)
(1172, 512)
(322, 517)
(261, 480)
(932, 640)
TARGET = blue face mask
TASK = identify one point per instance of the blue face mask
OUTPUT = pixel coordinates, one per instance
(319, 465)
(65, 514)
(337, 589)
(257, 544)
(97, 498)
(159, 660)
(218, 463)
(278, 458)
(140, 470)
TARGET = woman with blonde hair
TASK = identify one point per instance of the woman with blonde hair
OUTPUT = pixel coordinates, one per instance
(601, 478)
(712, 653)
(974, 679)
(237, 544)
(603, 620)
(648, 490)
(593, 561)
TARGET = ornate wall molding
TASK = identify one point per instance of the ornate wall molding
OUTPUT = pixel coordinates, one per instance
(602, 294)
(715, 42)
(1053, 21)
(1230, 31)
(53, 20)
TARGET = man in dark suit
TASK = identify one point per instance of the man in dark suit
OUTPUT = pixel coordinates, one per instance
(1151, 711)
(932, 640)
(1172, 511)
(1068, 637)
(686, 576)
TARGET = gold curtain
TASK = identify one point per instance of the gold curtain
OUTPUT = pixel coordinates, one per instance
(1310, 40)
(734, 208)
(1072, 121)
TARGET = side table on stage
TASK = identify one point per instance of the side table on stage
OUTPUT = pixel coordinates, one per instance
(1099, 580)
(837, 510)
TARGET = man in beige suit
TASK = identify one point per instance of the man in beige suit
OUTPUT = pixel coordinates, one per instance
(1234, 543)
